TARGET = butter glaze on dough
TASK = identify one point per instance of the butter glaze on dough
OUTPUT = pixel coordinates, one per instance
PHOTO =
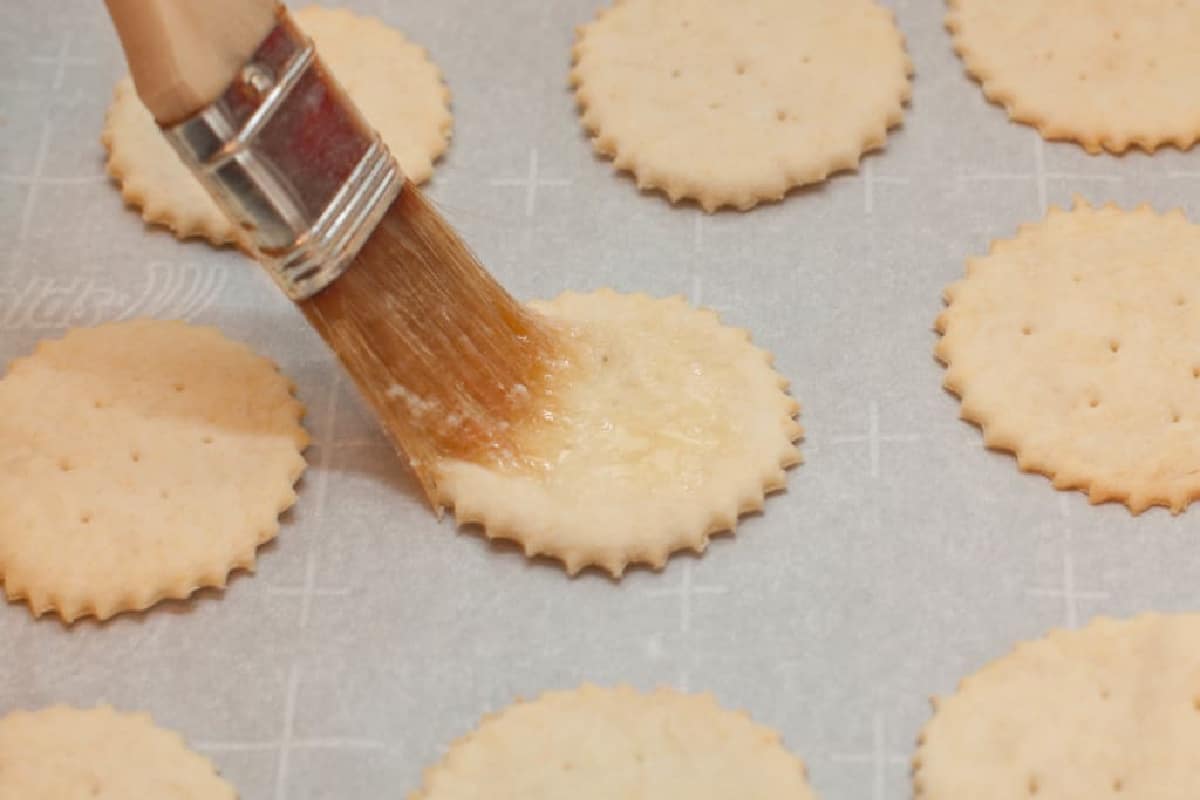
(668, 426)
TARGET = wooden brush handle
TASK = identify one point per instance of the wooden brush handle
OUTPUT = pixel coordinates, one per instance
(183, 53)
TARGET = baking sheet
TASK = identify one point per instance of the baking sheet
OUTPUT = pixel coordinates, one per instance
(902, 556)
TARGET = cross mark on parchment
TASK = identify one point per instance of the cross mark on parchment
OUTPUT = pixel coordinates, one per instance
(1068, 592)
(287, 742)
(874, 438)
(531, 183)
(1040, 175)
(878, 758)
(63, 59)
(870, 180)
(686, 590)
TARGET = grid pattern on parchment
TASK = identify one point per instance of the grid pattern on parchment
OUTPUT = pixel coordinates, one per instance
(902, 556)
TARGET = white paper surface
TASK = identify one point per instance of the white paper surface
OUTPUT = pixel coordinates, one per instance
(902, 556)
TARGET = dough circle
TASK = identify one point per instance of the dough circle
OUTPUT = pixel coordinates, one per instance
(730, 104)
(1108, 75)
(140, 461)
(593, 744)
(667, 426)
(1074, 347)
(392, 81)
(61, 752)
(1112, 710)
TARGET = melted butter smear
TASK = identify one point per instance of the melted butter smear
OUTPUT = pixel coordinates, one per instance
(597, 388)
(450, 362)
(622, 406)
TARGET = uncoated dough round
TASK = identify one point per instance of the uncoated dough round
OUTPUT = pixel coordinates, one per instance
(600, 744)
(733, 103)
(61, 752)
(1109, 711)
(1108, 75)
(140, 461)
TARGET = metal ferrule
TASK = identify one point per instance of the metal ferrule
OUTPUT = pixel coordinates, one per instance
(288, 157)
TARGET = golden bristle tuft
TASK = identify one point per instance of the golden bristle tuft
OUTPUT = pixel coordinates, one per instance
(448, 359)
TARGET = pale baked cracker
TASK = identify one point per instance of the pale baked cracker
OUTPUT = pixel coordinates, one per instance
(140, 461)
(1109, 75)
(731, 104)
(63, 753)
(392, 81)
(667, 427)
(1074, 347)
(598, 744)
(1109, 711)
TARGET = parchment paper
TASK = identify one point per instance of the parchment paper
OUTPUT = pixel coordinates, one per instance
(902, 556)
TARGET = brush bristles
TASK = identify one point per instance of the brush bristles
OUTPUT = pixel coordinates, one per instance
(447, 358)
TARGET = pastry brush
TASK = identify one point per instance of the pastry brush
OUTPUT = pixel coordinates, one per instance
(448, 360)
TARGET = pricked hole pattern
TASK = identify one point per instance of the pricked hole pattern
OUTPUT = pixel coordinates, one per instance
(1027, 330)
(1175, 417)
(1094, 402)
(179, 387)
(207, 440)
(135, 456)
(65, 465)
(1116, 36)
(1083, 76)
(675, 73)
(1181, 301)
(740, 68)
(1196, 702)
(1105, 694)
(1118, 784)
(1033, 785)
(1196, 372)
(85, 517)
(781, 115)
(1114, 346)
